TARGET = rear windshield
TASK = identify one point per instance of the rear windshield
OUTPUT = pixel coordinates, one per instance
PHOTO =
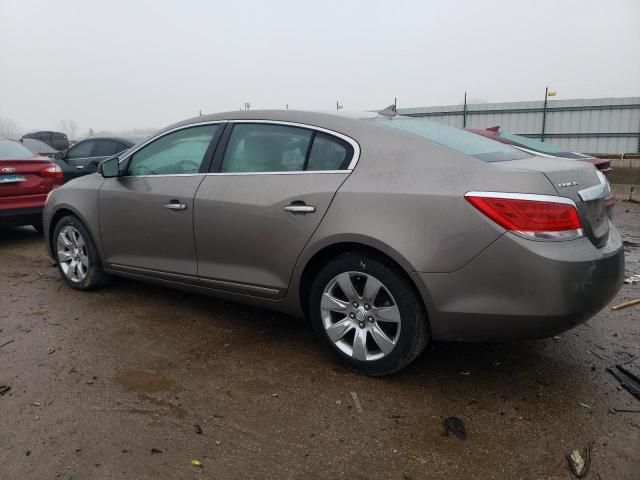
(536, 145)
(459, 140)
(11, 149)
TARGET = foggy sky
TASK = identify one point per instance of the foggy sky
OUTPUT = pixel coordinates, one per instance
(115, 65)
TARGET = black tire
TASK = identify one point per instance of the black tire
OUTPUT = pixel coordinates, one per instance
(413, 333)
(95, 276)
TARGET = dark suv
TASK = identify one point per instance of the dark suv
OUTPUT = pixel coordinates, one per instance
(57, 140)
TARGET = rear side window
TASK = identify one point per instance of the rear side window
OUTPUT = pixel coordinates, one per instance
(457, 139)
(11, 149)
(106, 148)
(328, 153)
(258, 147)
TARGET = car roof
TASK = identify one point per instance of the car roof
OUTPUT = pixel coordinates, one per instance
(348, 123)
(130, 140)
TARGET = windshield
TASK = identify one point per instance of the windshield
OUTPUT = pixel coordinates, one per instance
(11, 149)
(459, 140)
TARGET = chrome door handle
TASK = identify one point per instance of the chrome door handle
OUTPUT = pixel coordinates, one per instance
(175, 206)
(300, 208)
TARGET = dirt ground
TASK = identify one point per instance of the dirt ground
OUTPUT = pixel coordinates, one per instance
(109, 385)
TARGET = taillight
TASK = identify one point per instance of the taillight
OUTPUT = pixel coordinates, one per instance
(51, 171)
(542, 217)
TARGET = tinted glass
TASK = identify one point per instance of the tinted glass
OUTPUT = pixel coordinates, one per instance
(459, 140)
(11, 149)
(532, 144)
(176, 153)
(106, 148)
(327, 154)
(256, 147)
(81, 150)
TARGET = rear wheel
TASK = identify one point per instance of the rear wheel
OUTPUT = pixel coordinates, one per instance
(76, 255)
(368, 313)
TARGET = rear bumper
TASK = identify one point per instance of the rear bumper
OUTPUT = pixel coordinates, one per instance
(521, 289)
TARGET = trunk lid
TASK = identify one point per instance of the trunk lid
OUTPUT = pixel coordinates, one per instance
(22, 177)
(579, 181)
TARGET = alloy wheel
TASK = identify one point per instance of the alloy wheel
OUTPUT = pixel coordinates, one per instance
(360, 316)
(72, 254)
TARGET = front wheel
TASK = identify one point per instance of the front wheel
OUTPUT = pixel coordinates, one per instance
(76, 255)
(368, 313)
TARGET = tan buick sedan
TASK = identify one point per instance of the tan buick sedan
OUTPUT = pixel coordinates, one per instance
(384, 231)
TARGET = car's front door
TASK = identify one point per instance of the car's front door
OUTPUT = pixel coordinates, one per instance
(146, 215)
(271, 187)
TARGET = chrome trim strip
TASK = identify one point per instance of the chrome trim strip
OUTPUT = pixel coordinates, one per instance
(354, 144)
(596, 192)
(523, 196)
(216, 174)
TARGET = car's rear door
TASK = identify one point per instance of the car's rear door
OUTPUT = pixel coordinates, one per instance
(146, 215)
(272, 184)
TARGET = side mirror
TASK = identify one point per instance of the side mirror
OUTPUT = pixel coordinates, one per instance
(110, 167)
(59, 155)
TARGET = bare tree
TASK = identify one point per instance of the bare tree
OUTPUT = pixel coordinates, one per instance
(69, 127)
(9, 128)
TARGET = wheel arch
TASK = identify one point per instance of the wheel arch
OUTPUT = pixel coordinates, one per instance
(63, 211)
(325, 253)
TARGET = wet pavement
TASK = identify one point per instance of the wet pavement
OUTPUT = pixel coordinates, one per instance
(111, 384)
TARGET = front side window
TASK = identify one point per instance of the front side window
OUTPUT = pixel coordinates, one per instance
(81, 150)
(259, 147)
(180, 152)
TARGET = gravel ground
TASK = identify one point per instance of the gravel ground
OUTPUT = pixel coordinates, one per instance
(109, 385)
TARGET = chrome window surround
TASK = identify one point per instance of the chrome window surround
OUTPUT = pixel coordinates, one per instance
(354, 160)
(557, 236)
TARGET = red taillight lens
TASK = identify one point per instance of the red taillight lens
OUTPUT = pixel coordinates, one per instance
(51, 171)
(531, 215)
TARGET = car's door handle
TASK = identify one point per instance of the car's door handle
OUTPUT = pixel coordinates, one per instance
(300, 208)
(175, 205)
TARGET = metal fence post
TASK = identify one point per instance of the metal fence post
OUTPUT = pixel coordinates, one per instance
(544, 113)
(464, 112)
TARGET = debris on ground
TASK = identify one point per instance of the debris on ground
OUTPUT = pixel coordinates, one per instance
(198, 429)
(4, 389)
(628, 380)
(50, 350)
(356, 402)
(580, 466)
(584, 405)
(456, 426)
(632, 279)
(625, 410)
(197, 463)
(626, 304)
(155, 451)
(6, 343)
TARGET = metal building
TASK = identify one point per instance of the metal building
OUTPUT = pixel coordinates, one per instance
(596, 125)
